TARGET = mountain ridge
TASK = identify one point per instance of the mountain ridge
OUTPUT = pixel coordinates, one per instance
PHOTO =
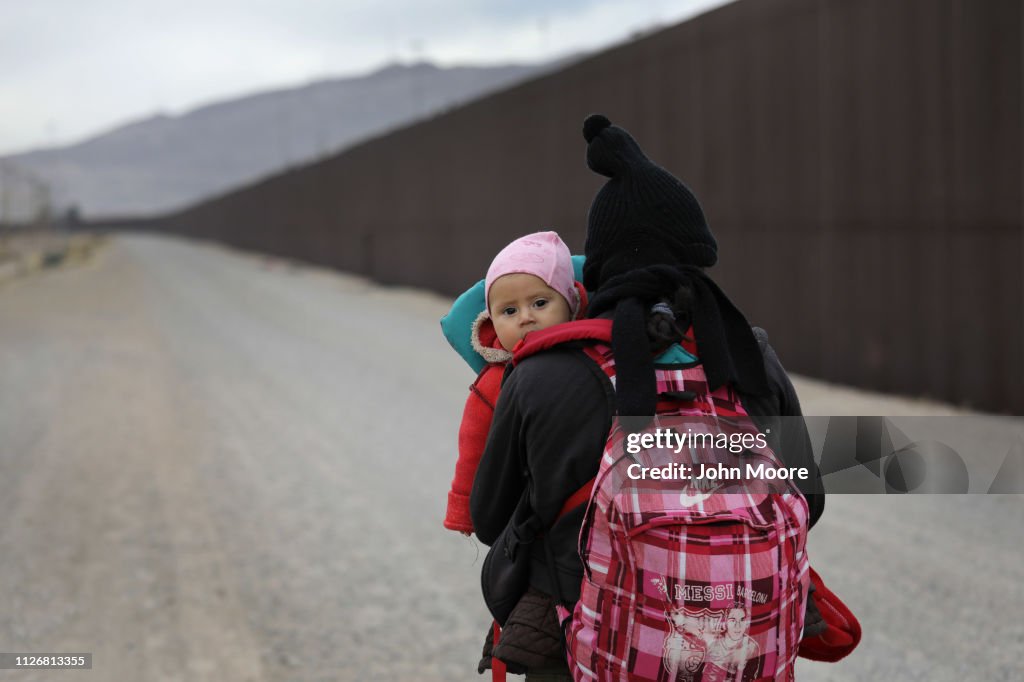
(165, 162)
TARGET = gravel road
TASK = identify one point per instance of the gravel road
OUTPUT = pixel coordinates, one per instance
(218, 466)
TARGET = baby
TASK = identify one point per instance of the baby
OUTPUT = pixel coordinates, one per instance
(529, 286)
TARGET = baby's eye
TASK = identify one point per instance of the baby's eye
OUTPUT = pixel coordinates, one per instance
(509, 311)
(540, 303)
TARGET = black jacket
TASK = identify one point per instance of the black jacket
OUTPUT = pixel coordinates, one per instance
(549, 430)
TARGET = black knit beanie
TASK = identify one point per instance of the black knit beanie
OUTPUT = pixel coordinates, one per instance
(646, 237)
(643, 215)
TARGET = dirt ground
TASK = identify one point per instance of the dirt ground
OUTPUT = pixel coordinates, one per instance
(221, 466)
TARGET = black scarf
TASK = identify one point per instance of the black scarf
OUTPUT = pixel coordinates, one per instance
(726, 345)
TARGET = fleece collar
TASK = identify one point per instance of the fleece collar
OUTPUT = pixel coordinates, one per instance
(485, 340)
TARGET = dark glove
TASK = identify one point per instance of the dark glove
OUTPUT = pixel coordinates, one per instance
(487, 656)
(814, 622)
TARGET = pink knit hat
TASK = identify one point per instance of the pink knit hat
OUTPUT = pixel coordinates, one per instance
(542, 254)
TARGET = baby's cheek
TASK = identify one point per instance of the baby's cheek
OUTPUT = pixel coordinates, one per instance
(560, 316)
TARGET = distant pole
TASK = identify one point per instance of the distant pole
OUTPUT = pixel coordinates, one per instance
(4, 190)
(46, 197)
(42, 197)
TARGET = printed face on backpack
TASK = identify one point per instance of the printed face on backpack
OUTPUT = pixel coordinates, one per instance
(520, 303)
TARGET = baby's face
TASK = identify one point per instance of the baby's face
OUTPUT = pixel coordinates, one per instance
(520, 303)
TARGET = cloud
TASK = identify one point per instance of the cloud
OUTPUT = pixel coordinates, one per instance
(72, 69)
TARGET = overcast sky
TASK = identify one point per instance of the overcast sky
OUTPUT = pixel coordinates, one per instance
(71, 68)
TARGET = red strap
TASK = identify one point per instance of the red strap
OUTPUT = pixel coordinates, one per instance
(534, 342)
(498, 668)
(579, 330)
(577, 498)
(688, 343)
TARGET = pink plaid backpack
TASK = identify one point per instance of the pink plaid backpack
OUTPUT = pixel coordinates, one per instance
(683, 580)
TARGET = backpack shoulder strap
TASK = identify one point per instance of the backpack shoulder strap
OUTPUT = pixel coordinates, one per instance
(579, 497)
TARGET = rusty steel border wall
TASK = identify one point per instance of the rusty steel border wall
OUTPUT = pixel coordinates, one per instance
(859, 162)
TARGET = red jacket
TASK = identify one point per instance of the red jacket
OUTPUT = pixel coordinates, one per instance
(476, 423)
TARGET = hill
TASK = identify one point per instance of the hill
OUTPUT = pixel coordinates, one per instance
(164, 162)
